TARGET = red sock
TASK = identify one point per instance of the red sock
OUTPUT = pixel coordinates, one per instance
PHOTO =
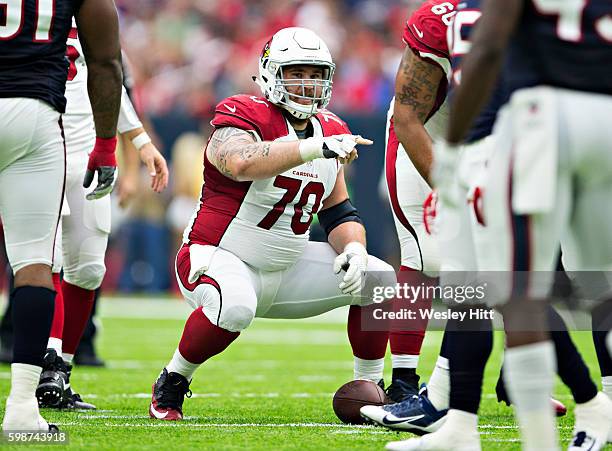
(57, 325)
(406, 336)
(202, 339)
(366, 344)
(78, 303)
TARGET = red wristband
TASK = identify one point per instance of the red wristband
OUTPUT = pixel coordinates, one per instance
(106, 145)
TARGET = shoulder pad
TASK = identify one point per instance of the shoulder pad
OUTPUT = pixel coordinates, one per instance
(332, 124)
(425, 31)
(250, 113)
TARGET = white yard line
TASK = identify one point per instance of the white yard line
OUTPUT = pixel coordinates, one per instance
(235, 395)
(183, 424)
(186, 424)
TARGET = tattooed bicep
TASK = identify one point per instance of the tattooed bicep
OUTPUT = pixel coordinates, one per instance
(224, 135)
(416, 85)
(229, 145)
(223, 140)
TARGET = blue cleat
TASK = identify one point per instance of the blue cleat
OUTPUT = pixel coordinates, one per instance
(416, 415)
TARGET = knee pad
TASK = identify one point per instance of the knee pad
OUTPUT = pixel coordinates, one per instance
(88, 276)
(227, 315)
(236, 318)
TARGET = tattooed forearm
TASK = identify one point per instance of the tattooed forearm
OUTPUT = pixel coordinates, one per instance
(230, 145)
(252, 150)
(417, 83)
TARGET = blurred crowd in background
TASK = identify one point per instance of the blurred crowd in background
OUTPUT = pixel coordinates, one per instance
(187, 55)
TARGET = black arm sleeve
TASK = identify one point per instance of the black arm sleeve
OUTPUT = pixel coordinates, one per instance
(332, 217)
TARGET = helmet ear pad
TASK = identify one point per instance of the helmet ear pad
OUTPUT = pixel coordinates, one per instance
(289, 47)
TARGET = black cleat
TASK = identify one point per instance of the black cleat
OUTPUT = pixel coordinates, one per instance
(73, 400)
(54, 386)
(169, 392)
(52, 383)
(402, 389)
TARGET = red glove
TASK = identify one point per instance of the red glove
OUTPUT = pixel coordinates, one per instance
(102, 160)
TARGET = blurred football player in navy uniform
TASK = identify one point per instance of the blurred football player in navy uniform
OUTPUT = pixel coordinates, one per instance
(33, 72)
(270, 164)
(418, 118)
(553, 164)
(464, 241)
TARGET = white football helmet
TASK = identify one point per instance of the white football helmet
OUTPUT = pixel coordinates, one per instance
(288, 47)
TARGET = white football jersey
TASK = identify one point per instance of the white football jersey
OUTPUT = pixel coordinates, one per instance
(79, 130)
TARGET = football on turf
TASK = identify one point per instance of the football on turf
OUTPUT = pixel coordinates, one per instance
(352, 396)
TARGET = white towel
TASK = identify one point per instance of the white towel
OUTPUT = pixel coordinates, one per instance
(200, 257)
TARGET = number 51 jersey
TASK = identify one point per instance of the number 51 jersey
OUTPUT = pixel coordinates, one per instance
(266, 222)
(32, 47)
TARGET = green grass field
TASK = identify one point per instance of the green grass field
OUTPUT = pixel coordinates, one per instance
(271, 389)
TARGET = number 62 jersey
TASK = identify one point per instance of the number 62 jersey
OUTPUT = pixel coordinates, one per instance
(266, 222)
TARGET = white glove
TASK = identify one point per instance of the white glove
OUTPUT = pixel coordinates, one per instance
(354, 260)
(444, 172)
(336, 146)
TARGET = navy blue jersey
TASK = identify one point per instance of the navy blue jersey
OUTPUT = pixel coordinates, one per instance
(468, 13)
(563, 44)
(33, 37)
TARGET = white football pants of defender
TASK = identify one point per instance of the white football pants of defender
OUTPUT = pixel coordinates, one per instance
(407, 193)
(458, 228)
(552, 161)
(32, 171)
(307, 288)
(84, 229)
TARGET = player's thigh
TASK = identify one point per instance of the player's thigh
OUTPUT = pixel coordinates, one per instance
(407, 193)
(517, 249)
(227, 292)
(310, 286)
(31, 180)
(458, 226)
(494, 244)
(589, 240)
(542, 185)
(587, 141)
(454, 233)
(85, 229)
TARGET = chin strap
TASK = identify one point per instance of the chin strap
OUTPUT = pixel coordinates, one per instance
(258, 82)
